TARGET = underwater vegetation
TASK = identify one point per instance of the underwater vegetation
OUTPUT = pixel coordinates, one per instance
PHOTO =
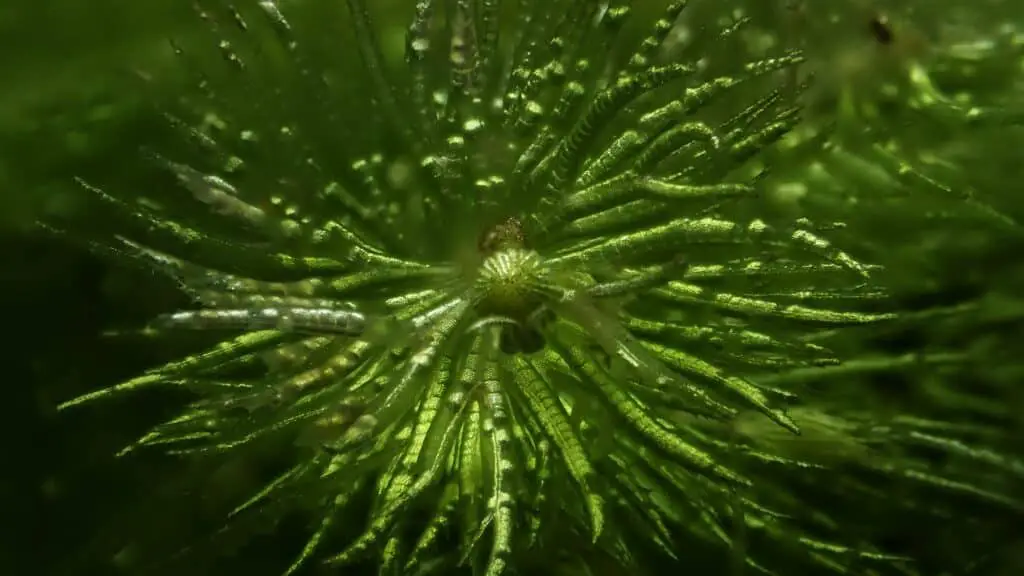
(532, 295)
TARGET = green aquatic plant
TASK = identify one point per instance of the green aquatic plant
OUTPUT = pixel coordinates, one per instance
(903, 99)
(523, 291)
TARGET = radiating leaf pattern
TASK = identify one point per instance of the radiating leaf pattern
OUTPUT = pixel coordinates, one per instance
(523, 291)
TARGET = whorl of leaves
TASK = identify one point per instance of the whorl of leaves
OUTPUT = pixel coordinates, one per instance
(523, 292)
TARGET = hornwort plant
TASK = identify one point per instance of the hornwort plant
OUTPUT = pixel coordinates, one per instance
(520, 298)
(904, 104)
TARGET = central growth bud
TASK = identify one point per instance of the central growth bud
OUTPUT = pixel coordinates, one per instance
(511, 278)
(511, 282)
